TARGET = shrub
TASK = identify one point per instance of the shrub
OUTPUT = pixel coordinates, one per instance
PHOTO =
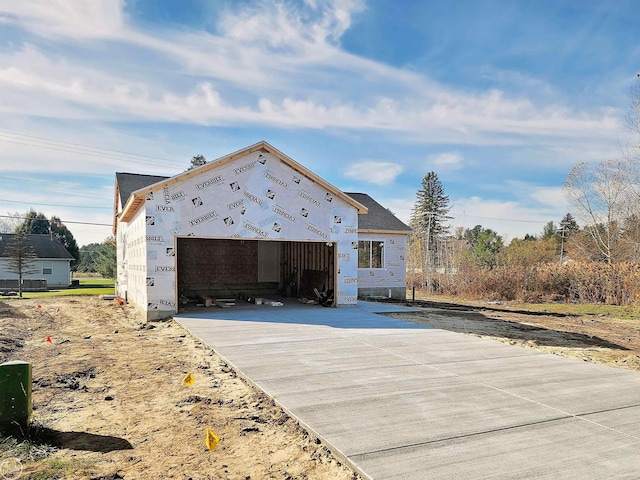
(611, 284)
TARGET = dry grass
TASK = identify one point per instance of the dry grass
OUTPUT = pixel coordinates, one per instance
(585, 283)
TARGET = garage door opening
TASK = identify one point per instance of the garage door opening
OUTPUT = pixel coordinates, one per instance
(243, 269)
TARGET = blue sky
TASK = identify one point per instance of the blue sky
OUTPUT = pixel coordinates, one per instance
(499, 98)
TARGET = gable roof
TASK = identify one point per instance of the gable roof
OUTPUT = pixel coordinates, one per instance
(45, 246)
(137, 197)
(127, 183)
(379, 218)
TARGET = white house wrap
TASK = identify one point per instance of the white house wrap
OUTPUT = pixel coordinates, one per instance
(254, 222)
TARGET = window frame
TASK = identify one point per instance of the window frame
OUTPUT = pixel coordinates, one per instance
(47, 265)
(379, 251)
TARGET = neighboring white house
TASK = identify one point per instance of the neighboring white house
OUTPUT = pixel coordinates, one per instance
(52, 262)
(252, 223)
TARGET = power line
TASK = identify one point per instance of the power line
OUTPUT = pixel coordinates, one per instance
(85, 153)
(78, 148)
(51, 204)
(63, 221)
(500, 219)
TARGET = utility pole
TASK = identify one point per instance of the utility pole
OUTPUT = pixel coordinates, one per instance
(428, 259)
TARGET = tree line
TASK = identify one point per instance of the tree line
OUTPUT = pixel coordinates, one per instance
(592, 254)
(93, 258)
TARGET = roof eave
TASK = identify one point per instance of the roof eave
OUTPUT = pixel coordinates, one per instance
(133, 204)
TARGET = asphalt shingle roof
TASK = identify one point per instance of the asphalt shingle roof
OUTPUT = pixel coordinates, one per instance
(378, 218)
(45, 246)
(130, 182)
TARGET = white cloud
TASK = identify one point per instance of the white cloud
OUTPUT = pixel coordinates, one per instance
(451, 160)
(507, 217)
(274, 64)
(67, 18)
(553, 197)
(285, 25)
(401, 207)
(370, 171)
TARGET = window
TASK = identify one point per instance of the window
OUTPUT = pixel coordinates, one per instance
(47, 268)
(370, 254)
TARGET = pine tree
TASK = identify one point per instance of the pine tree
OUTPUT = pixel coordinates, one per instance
(568, 225)
(429, 213)
(197, 161)
(549, 230)
(428, 221)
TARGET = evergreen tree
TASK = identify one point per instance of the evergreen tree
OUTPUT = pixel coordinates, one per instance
(88, 255)
(568, 225)
(62, 233)
(197, 161)
(106, 261)
(429, 213)
(37, 223)
(568, 229)
(21, 258)
(549, 230)
(428, 218)
(34, 223)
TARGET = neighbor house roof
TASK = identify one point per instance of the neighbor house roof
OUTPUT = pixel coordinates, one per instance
(379, 219)
(136, 198)
(45, 246)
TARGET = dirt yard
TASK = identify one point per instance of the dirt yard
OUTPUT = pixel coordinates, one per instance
(108, 393)
(598, 339)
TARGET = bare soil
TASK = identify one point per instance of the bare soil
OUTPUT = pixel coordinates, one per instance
(108, 390)
(108, 393)
(598, 339)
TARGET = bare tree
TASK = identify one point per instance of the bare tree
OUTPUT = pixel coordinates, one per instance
(21, 258)
(631, 153)
(601, 197)
(9, 222)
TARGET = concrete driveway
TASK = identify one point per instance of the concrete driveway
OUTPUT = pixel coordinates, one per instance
(401, 401)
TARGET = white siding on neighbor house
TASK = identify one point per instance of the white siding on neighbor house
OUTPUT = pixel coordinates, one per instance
(377, 281)
(59, 277)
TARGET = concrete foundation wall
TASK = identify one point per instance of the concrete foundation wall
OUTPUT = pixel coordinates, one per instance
(397, 293)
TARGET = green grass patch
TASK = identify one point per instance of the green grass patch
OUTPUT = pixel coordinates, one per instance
(54, 468)
(88, 286)
(96, 282)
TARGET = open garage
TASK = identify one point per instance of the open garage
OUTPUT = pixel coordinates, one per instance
(246, 269)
